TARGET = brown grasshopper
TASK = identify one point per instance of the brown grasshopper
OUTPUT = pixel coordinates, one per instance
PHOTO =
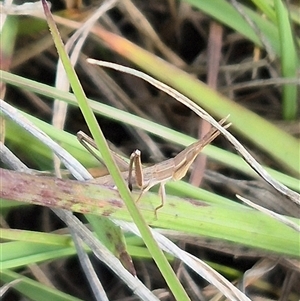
(145, 178)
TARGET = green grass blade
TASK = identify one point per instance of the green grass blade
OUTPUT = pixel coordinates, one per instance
(209, 217)
(156, 252)
(8, 38)
(266, 7)
(288, 61)
(20, 253)
(34, 290)
(226, 14)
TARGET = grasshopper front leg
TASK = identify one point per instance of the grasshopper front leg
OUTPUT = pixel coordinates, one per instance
(136, 165)
(135, 162)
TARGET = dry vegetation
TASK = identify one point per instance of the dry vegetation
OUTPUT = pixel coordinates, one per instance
(191, 41)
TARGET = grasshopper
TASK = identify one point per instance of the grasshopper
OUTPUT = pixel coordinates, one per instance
(160, 173)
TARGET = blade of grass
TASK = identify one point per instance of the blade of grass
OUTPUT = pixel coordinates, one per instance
(61, 240)
(288, 61)
(8, 38)
(87, 112)
(227, 14)
(34, 290)
(19, 253)
(245, 226)
(36, 237)
(113, 238)
(266, 8)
